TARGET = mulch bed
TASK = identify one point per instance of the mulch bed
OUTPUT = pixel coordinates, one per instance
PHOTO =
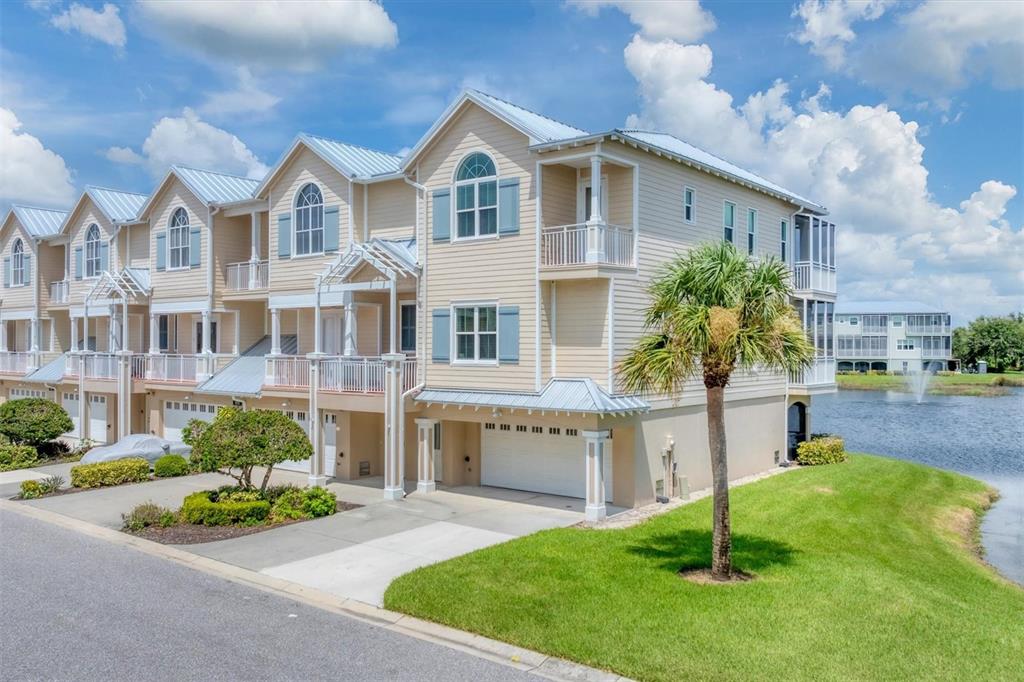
(189, 534)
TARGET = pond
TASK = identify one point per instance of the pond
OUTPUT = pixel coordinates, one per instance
(981, 437)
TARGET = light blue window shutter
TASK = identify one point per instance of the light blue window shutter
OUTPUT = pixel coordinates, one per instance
(442, 346)
(27, 260)
(508, 206)
(104, 256)
(7, 273)
(195, 252)
(161, 251)
(331, 228)
(442, 214)
(508, 333)
(78, 262)
(284, 236)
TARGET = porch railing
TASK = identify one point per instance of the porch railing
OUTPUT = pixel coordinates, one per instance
(821, 371)
(174, 368)
(352, 375)
(102, 365)
(247, 276)
(409, 378)
(288, 372)
(59, 292)
(811, 276)
(586, 243)
(12, 362)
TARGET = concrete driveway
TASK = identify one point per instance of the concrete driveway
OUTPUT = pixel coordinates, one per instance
(354, 554)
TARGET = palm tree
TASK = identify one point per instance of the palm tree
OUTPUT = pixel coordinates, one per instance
(714, 311)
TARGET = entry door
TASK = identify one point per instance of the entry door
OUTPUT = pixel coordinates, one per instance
(330, 440)
(199, 336)
(331, 340)
(438, 459)
(98, 418)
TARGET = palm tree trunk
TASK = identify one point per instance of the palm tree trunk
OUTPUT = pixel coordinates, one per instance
(721, 542)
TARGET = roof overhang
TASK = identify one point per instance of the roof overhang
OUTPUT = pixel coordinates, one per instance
(389, 258)
(117, 285)
(560, 396)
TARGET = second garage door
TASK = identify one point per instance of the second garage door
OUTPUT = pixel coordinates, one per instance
(539, 459)
(177, 415)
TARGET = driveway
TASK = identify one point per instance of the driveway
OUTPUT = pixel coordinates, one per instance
(354, 554)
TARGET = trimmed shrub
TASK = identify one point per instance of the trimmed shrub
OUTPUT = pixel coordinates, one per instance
(101, 474)
(207, 508)
(30, 490)
(170, 465)
(320, 502)
(297, 503)
(17, 457)
(33, 421)
(146, 515)
(825, 450)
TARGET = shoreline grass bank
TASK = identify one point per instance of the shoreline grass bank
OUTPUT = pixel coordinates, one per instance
(942, 384)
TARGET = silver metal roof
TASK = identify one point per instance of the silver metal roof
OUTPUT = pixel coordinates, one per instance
(560, 395)
(118, 206)
(537, 126)
(354, 161)
(216, 188)
(884, 308)
(39, 222)
(50, 373)
(244, 375)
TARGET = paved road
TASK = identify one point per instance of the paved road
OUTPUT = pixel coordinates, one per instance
(77, 608)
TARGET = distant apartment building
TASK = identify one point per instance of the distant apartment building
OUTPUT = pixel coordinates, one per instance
(893, 336)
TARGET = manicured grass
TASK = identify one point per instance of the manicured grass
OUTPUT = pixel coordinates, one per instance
(954, 384)
(864, 571)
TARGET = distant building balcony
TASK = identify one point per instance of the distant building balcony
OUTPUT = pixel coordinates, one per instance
(247, 276)
(59, 292)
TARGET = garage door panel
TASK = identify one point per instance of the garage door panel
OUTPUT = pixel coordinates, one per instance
(177, 415)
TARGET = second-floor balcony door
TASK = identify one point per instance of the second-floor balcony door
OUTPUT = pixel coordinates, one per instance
(199, 336)
(330, 330)
(586, 194)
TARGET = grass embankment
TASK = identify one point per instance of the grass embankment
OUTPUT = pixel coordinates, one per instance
(865, 570)
(952, 384)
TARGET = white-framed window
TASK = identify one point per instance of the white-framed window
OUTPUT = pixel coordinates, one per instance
(92, 251)
(476, 197)
(854, 321)
(165, 332)
(407, 326)
(897, 320)
(309, 221)
(784, 240)
(729, 221)
(689, 204)
(476, 333)
(178, 240)
(18, 264)
(904, 344)
(751, 231)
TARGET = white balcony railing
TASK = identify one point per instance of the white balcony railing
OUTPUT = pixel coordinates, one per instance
(59, 292)
(184, 369)
(937, 329)
(811, 276)
(15, 362)
(586, 243)
(821, 372)
(352, 375)
(409, 378)
(247, 276)
(288, 372)
(103, 365)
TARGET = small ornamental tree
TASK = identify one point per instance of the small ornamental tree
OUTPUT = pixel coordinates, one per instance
(235, 442)
(33, 421)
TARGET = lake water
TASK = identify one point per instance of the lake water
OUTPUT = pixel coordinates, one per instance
(981, 437)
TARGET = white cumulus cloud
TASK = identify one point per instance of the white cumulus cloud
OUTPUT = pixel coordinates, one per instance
(827, 25)
(683, 20)
(300, 34)
(29, 172)
(191, 141)
(248, 97)
(105, 26)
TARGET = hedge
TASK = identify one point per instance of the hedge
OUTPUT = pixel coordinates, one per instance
(33, 421)
(824, 450)
(17, 457)
(170, 465)
(211, 508)
(101, 474)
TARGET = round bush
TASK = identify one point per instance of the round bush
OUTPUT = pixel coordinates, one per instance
(320, 502)
(33, 421)
(30, 490)
(170, 465)
(824, 450)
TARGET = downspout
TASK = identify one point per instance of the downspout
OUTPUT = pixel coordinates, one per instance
(421, 285)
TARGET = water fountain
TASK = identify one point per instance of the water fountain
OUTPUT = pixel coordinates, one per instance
(918, 382)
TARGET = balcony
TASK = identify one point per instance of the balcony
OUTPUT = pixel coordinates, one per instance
(15, 362)
(176, 369)
(247, 276)
(59, 292)
(338, 374)
(102, 365)
(935, 329)
(820, 375)
(813, 276)
(586, 244)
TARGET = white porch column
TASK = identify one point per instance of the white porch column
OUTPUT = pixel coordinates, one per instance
(34, 335)
(83, 404)
(425, 482)
(74, 334)
(275, 331)
(114, 332)
(254, 249)
(154, 333)
(124, 394)
(351, 324)
(393, 319)
(595, 226)
(596, 444)
(316, 318)
(85, 329)
(3, 335)
(316, 462)
(206, 332)
(394, 459)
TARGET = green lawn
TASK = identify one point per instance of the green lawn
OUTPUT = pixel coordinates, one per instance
(955, 384)
(863, 572)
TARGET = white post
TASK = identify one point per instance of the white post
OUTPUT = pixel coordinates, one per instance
(85, 328)
(394, 460)
(154, 334)
(316, 462)
(316, 317)
(275, 331)
(595, 226)
(254, 251)
(74, 334)
(125, 327)
(351, 324)
(425, 482)
(206, 332)
(34, 335)
(596, 442)
(393, 325)
(3, 336)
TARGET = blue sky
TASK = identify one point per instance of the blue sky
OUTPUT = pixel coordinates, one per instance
(84, 78)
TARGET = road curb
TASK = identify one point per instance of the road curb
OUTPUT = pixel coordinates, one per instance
(477, 645)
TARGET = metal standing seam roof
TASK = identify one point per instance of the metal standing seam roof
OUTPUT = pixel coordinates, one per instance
(884, 307)
(50, 373)
(213, 187)
(244, 375)
(39, 222)
(354, 161)
(560, 395)
(539, 127)
(118, 206)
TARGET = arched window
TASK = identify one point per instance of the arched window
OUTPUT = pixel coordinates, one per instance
(92, 251)
(178, 241)
(18, 264)
(476, 196)
(309, 221)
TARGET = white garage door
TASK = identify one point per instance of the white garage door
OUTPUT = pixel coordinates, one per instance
(69, 400)
(178, 414)
(539, 459)
(17, 393)
(98, 418)
(300, 418)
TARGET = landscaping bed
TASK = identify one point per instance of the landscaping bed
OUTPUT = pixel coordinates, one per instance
(866, 569)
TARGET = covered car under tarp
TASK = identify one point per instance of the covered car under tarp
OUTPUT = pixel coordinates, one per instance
(143, 445)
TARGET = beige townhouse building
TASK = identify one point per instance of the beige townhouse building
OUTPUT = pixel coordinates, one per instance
(454, 316)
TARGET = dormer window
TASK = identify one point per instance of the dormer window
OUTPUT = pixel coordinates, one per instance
(18, 264)
(92, 251)
(178, 239)
(476, 197)
(309, 221)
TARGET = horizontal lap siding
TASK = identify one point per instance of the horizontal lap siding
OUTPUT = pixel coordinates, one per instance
(582, 334)
(85, 216)
(392, 210)
(49, 264)
(558, 202)
(619, 191)
(16, 297)
(252, 323)
(501, 269)
(232, 243)
(187, 283)
(136, 247)
(297, 274)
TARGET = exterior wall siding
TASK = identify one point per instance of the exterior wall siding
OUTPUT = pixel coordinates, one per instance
(19, 297)
(187, 283)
